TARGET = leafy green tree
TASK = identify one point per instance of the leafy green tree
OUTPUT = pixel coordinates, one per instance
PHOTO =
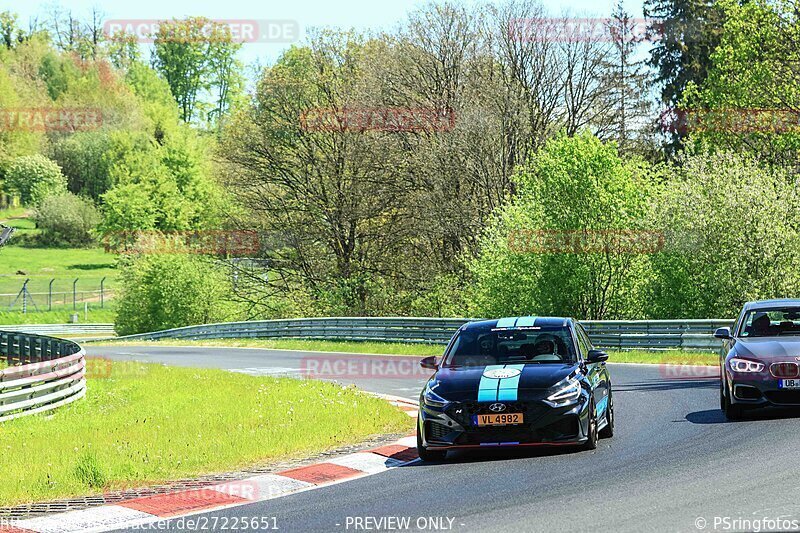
(685, 34)
(750, 100)
(733, 235)
(569, 243)
(169, 291)
(34, 177)
(82, 158)
(66, 219)
(196, 55)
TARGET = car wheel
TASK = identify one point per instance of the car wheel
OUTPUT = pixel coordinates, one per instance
(722, 400)
(429, 455)
(608, 431)
(732, 411)
(591, 442)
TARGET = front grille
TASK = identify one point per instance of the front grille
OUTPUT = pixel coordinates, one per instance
(787, 397)
(463, 412)
(784, 370)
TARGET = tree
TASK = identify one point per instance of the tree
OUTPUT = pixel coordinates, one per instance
(685, 34)
(171, 290)
(195, 55)
(33, 178)
(750, 100)
(66, 219)
(733, 235)
(571, 243)
(628, 85)
(329, 198)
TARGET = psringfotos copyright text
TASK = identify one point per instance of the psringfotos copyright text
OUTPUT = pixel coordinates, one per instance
(756, 525)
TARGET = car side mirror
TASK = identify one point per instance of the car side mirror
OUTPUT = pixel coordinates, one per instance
(723, 333)
(596, 356)
(429, 363)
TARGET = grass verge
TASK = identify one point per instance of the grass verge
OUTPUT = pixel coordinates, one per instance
(396, 348)
(145, 423)
(95, 315)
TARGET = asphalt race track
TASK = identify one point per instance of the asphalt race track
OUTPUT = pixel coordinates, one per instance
(675, 464)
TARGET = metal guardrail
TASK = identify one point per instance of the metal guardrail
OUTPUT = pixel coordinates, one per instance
(615, 334)
(43, 373)
(62, 329)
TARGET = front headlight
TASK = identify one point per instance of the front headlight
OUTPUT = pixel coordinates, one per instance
(431, 399)
(745, 366)
(566, 395)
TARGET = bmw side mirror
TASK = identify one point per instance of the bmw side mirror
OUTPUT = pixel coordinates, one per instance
(723, 333)
(429, 363)
(596, 356)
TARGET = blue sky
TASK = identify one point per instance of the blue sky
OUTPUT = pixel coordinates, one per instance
(359, 14)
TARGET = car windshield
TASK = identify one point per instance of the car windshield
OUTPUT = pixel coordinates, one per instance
(771, 322)
(481, 346)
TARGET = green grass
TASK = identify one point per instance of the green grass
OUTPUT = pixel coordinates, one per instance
(385, 348)
(396, 348)
(61, 315)
(666, 356)
(150, 423)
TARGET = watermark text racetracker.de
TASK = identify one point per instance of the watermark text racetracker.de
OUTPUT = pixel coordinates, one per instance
(218, 30)
(337, 367)
(50, 119)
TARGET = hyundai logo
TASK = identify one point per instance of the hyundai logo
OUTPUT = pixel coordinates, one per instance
(497, 407)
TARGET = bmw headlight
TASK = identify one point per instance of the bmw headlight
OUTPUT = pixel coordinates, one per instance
(745, 366)
(431, 399)
(568, 393)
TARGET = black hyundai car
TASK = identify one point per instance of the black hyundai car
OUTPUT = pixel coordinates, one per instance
(523, 381)
(760, 358)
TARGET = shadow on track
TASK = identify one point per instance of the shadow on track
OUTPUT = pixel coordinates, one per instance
(716, 416)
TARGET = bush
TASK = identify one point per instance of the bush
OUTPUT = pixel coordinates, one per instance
(170, 291)
(66, 219)
(33, 178)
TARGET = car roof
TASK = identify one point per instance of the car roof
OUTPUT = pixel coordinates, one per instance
(778, 302)
(520, 322)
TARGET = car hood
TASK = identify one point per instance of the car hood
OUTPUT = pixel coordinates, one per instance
(462, 383)
(769, 349)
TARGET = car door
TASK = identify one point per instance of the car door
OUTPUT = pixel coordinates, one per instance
(597, 373)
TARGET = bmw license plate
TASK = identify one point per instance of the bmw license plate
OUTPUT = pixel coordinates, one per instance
(498, 419)
(789, 383)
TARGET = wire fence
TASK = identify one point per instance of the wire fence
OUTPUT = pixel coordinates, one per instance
(39, 295)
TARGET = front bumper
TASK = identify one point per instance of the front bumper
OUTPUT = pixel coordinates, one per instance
(759, 391)
(453, 427)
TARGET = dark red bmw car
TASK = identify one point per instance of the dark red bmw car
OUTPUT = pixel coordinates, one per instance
(760, 358)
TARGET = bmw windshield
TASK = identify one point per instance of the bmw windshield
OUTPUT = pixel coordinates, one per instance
(492, 346)
(771, 322)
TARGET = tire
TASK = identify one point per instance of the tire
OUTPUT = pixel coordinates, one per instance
(722, 399)
(591, 442)
(429, 455)
(732, 411)
(608, 431)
